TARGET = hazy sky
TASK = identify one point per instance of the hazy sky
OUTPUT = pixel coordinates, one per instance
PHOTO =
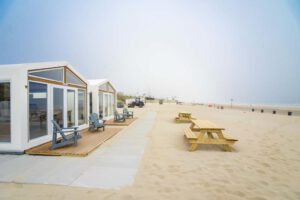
(205, 51)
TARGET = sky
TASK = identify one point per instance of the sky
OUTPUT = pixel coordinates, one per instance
(199, 51)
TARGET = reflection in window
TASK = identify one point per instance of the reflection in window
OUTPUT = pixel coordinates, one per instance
(5, 112)
(58, 106)
(73, 79)
(37, 110)
(100, 105)
(71, 107)
(53, 74)
(81, 107)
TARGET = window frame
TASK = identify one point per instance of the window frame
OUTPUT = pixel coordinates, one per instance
(85, 104)
(56, 82)
(74, 84)
(45, 70)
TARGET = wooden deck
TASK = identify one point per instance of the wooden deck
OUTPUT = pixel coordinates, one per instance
(89, 142)
(126, 123)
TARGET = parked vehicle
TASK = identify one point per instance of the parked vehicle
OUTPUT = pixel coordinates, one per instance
(137, 102)
(120, 105)
(131, 104)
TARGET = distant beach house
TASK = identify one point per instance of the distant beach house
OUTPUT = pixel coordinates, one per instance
(103, 98)
(31, 95)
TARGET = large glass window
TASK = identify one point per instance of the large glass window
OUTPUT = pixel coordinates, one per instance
(100, 104)
(113, 101)
(103, 87)
(106, 87)
(53, 74)
(81, 107)
(91, 102)
(58, 106)
(37, 110)
(110, 88)
(71, 107)
(109, 105)
(73, 79)
(5, 112)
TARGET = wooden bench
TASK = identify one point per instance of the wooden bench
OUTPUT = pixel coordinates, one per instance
(189, 134)
(229, 138)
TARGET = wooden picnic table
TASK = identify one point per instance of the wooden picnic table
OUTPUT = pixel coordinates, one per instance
(184, 113)
(184, 117)
(201, 132)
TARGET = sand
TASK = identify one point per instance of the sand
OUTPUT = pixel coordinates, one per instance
(265, 163)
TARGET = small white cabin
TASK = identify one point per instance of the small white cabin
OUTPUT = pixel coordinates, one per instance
(102, 95)
(31, 95)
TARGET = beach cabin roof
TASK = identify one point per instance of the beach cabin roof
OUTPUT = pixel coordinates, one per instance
(99, 82)
(42, 66)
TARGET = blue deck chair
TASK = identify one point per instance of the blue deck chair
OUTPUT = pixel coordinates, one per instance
(95, 123)
(127, 113)
(119, 117)
(65, 139)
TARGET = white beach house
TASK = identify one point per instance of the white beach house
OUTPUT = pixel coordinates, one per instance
(103, 96)
(31, 95)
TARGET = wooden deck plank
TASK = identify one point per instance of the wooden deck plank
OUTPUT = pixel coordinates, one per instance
(127, 122)
(89, 142)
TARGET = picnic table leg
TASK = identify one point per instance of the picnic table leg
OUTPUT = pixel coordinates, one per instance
(220, 134)
(210, 135)
(193, 147)
(227, 147)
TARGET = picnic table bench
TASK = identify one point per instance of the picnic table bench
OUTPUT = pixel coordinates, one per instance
(201, 132)
(184, 117)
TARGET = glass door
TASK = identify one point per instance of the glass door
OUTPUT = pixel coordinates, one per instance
(100, 105)
(109, 105)
(58, 106)
(70, 107)
(81, 98)
(105, 105)
(62, 106)
(38, 110)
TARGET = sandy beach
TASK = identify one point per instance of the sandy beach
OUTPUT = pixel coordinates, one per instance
(264, 164)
